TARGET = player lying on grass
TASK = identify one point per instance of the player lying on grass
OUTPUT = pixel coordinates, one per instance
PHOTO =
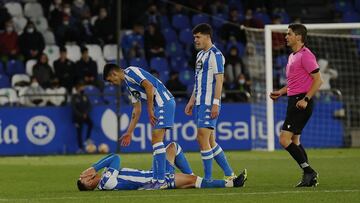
(115, 177)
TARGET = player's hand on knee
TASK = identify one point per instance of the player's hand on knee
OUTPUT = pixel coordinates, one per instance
(214, 111)
(125, 139)
(188, 109)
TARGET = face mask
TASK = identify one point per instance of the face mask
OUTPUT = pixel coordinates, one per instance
(9, 29)
(67, 11)
(66, 22)
(242, 81)
(30, 30)
(85, 22)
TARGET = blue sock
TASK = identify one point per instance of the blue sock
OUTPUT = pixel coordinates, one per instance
(181, 161)
(160, 161)
(111, 160)
(221, 160)
(207, 157)
(203, 183)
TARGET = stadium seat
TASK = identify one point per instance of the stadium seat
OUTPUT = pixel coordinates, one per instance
(57, 96)
(263, 17)
(29, 66)
(281, 61)
(93, 20)
(2, 69)
(73, 52)
(95, 52)
(238, 45)
(139, 62)
(343, 6)
(199, 18)
(14, 8)
(109, 52)
(49, 37)
(180, 21)
(174, 49)
(33, 10)
(164, 76)
(164, 22)
(100, 65)
(15, 67)
(186, 36)
(218, 20)
(93, 94)
(351, 17)
(19, 78)
(8, 96)
(178, 63)
(110, 94)
(19, 23)
(187, 77)
(4, 81)
(169, 35)
(159, 63)
(41, 23)
(53, 52)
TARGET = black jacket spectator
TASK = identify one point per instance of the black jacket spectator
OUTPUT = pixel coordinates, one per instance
(105, 28)
(174, 85)
(64, 70)
(154, 42)
(42, 72)
(86, 68)
(31, 42)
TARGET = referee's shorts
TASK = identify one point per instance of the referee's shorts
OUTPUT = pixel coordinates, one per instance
(296, 118)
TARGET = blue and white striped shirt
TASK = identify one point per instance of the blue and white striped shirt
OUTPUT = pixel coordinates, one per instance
(133, 78)
(208, 64)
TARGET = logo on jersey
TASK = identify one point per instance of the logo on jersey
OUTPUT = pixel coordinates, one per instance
(199, 65)
(136, 94)
(40, 130)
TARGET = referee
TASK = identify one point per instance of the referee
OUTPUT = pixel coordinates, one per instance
(303, 81)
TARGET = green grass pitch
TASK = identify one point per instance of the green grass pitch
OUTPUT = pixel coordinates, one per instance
(271, 177)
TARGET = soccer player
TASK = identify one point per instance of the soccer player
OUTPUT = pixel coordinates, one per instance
(160, 106)
(205, 99)
(303, 81)
(115, 177)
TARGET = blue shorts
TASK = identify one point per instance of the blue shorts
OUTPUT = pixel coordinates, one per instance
(170, 175)
(202, 116)
(165, 114)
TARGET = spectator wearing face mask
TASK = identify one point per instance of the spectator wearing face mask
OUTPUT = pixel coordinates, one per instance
(67, 32)
(243, 86)
(104, 28)
(31, 42)
(86, 30)
(234, 65)
(9, 41)
(79, 9)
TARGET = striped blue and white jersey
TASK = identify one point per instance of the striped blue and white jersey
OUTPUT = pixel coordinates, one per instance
(208, 64)
(124, 179)
(133, 78)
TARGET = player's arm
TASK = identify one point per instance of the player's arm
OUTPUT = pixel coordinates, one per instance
(316, 84)
(125, 139)
(189, 106)
(109, 161)
(149, 89)
(217, 95)
(278, 93)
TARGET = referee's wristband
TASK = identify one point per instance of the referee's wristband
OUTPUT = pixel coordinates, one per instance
(216, 101)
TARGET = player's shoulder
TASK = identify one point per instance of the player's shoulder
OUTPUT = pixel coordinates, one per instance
(306, 52)
(216, 51)
(131, 68)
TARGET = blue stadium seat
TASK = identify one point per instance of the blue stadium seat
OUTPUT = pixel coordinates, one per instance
(174, 49)
(187, 77)
(343, 6)
(164, 76)
(15, 67)
(4, 81)
(178, 63)
(199, 18)
(218, 20)
(2, 69)
(351, 17)
(164, 22)
(169, 35)
(110, 94)
(93, 94)
(139, 62)
(264, 17)
(239, 45)
(159, 63)
(281, 61)
(180, 21)
(186, 36)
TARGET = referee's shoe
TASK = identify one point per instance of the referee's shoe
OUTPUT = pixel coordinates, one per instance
(309, 180)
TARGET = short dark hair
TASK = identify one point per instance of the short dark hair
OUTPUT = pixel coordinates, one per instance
(203, 28)
(108, 68)
(83, 49)
(299, 29)
(81, 186)
(63, 49)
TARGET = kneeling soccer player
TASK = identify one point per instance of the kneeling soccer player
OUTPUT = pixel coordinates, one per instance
(115, 177)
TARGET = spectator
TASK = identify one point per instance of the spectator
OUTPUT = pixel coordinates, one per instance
(219, 6)
(87, 33)
(67, 32)
(32, 95)
(154, 42)
(327, 74)
(57, 93)
(152, 15)
(250, 21)
(254, 63)
(104, 28)
(4, 15)
(56, 14)
(42, 71)
(9, 41)
(86, 68)
(278, 38)
(79, 9)
(64, 70)
(81, 107)
(133, 43)
(234, 65)
(243, 86)
(175, 86)
(31, 42)
(232, 28)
